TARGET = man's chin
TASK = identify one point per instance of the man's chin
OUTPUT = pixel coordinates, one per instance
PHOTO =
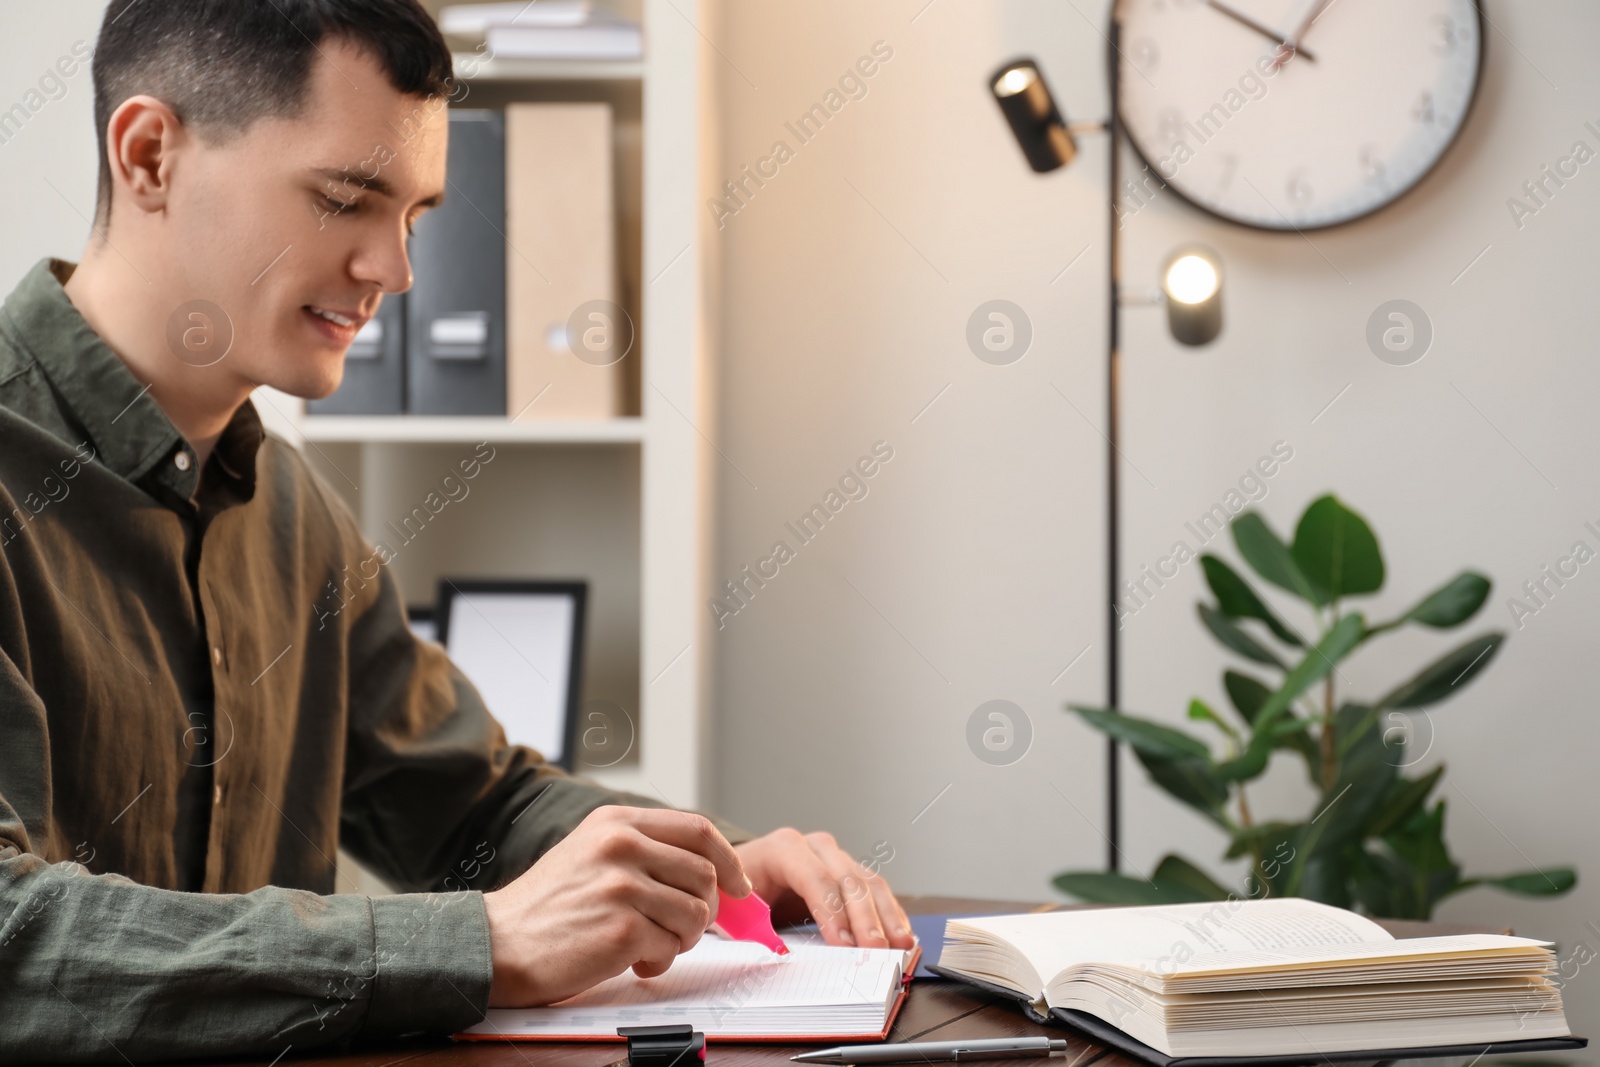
(315, 383)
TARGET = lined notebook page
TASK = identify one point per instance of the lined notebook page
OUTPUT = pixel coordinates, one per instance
(728, 987)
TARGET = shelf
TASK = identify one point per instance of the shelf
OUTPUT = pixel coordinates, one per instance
(430, 429)
(534, 70)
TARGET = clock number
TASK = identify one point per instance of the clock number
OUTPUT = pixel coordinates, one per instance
(1230, 166)
(1171, 125)
(1423, 112)
(1298, 188)
(1146, 56)
(1371, 164)
(1446, 40)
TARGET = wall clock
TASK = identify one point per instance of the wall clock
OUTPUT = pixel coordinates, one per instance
(1296, 114)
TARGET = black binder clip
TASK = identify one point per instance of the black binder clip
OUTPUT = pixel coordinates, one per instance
(664, 1046)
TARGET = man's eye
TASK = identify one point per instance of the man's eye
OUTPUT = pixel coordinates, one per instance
(338, 207)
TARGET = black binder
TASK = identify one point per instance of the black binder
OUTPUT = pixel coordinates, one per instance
(456, 309)
(374, 367)
(1103, 1033)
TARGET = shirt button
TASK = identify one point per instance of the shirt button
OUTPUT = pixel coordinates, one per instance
(216, 655)
(182, 461)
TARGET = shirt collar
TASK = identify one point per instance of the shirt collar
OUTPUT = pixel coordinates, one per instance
(130, 432)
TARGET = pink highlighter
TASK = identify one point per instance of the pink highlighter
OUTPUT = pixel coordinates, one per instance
(748, 919)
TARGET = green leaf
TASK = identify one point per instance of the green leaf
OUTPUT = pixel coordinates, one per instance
(1302, 742)
(1191, 780)
(1406, 796)
(1227, 631)
(1452, 603)
(1346, 634)
(1446, 675)
(1237, 600)
(1269, 557)
(1250, 763)
(1373, 884)
(1201, 712)
(1143, 736)
(1177, 763)
(1261, 835)
(1096, 887)
(1337, 551)
(1175, 870)
(1247, 694)
(1419, 842)
(1323, 878)
(1367, 767)
(1548, 883)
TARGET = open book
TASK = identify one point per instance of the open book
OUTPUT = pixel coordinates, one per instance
(1245, 978)
(732, 991)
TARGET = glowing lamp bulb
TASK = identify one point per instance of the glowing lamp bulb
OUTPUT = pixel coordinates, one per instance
(1015, 80)
(1191, 280)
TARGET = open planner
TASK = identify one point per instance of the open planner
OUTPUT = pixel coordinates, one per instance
(732, 991)
(1263, 981)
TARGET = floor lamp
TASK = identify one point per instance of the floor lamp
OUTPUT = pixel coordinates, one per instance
(1191, 290)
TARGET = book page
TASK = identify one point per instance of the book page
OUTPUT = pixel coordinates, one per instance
(1483, 949)
(1171, 934)
(718, 985)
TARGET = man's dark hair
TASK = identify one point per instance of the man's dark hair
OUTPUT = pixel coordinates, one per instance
(222, 64)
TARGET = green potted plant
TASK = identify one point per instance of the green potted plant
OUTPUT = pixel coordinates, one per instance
(1373, 840)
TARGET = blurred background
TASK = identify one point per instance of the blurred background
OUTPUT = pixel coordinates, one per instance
(823, 315)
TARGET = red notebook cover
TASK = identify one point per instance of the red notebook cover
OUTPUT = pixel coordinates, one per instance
(741, 1039)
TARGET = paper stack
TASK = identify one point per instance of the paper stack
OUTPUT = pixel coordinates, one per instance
(545, 29)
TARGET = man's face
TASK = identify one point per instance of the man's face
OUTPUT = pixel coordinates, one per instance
(297, 227)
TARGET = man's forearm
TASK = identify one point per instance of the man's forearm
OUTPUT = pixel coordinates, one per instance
(96, 968)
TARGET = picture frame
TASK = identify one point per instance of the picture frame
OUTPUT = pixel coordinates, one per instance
(520, 642)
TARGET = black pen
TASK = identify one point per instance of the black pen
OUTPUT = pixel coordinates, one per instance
(932, 1051)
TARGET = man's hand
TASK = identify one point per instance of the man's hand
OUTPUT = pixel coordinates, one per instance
(809, 876)
(630, 887)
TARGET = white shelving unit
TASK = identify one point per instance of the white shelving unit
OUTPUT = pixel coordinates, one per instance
(403, 429)
(623, 503)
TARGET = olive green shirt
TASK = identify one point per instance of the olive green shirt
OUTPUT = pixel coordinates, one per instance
(207, 687)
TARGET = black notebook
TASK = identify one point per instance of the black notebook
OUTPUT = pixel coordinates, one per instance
(1267, 982)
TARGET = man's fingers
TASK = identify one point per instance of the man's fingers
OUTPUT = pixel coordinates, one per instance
(889, 910)
(662, 909)
(695, 833)
(808, 878)
(657, 948)
(860, 909)
(681, 869)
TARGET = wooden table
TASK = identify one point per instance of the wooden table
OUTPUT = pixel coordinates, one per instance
(935, 1010)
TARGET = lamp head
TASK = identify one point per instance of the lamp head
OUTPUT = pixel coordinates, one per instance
(1026, 102)
(1192, 283)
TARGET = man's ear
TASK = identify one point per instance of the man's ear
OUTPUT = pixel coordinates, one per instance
(143, 139)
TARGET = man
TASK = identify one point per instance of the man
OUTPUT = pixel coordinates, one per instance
(186, 733)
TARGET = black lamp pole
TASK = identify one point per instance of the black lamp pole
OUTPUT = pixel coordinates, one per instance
(1113, 436)
(1194, 315)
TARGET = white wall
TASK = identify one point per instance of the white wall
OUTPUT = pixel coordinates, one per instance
(47, 169)
(981, 542)
(970, 571)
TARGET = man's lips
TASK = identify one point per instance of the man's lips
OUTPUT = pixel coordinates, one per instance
(338, 325)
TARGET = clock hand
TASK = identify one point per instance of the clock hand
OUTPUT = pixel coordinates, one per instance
(1292, 42)
(1245, 20)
